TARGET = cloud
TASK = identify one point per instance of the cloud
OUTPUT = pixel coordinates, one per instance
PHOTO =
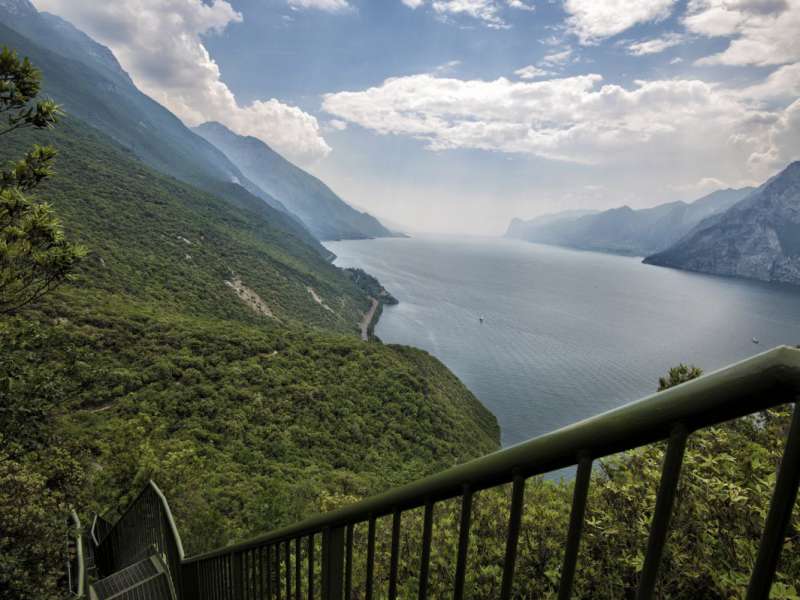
(486, 11)
(489, 12)
(577, 119)
(332, 6)
(596, 20)
(520, 5)
(531, 72)
(764, 32)
(656, 45)
(557, 58)
(159, 43)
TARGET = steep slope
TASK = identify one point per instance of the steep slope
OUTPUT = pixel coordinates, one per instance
(625, 230)
(156, 239)
(758, 238)
(86, 78)
(323, 212)
(191, 349)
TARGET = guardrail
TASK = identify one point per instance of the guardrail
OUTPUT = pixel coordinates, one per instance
(76, 559)
(282, 563)
(145, 528)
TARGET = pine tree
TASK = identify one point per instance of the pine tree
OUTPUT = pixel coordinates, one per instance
(35, 257)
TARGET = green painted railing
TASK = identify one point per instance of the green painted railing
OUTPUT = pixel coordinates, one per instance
(281, 563)
(76, 557)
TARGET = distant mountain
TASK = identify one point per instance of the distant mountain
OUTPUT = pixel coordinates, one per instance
(625, 230)
(521, 229)
(758, 238)
(87, 80)
(326, 215)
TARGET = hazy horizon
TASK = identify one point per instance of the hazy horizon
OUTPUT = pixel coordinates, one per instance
(455, 116)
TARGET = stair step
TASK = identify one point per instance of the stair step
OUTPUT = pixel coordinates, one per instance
(147, 579)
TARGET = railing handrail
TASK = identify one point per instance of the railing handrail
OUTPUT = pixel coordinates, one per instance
(168, 514)
(81, 574)
(751, 385)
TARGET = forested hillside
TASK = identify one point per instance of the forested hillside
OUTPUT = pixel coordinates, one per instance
(206, 345)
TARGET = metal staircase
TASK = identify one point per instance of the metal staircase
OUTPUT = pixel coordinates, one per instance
(147, 579)
(141, 555)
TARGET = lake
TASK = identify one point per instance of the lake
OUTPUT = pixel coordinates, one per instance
(566, 334)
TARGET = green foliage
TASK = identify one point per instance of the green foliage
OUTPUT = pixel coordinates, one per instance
(371, 286)
(677, 375)
(19, 85)
(35, 257)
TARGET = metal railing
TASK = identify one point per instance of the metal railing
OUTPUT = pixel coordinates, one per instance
(281, 564)
(145, 528)
(76, 558)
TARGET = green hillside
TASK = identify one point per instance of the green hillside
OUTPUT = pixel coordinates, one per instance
(151, 365)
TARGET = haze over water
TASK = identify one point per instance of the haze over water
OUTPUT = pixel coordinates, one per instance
(567, 334)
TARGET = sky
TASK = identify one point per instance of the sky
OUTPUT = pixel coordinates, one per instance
(457, 115)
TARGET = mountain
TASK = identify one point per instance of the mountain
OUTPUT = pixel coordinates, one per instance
(206, 335)
(625, 230)
(326, 215)
(520, 228)
(108, 100)
(758, 238)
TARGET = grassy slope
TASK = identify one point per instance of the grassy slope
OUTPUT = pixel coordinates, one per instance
(245, 421)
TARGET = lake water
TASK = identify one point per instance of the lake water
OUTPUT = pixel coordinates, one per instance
(567, 334)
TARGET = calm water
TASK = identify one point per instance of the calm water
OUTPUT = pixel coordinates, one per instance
(567, 334)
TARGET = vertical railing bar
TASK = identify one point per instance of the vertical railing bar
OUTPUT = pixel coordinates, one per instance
(269, 573)
(288, 556)
(311, 567)
(278, 570)
(779, 515)
(463, 542)
(370, 559)
(576, 519)
(348, 564)
(298, 583)
(261, 575)
(514, 522)
(394, 559)
(670, 475)
(425, 558)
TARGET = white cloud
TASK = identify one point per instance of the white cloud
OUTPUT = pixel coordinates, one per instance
(483, 10)
(159, 43)
(656, 45)
(574, 118)
(326, 5)
(489, 12)
(764, 32)
(595, 20)
(337, 124)
(520, 5)
(531, 72)
(557, 58)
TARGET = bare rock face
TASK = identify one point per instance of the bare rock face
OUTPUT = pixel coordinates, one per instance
(758, 238)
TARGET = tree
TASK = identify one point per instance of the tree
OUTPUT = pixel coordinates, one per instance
(677, 375)
(35, 256)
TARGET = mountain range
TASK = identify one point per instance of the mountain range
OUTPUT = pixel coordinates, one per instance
(625, 230)
(206, 337)
(758, 238)
(326, 215)
(108, 100)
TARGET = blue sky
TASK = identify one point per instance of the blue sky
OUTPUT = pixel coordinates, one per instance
(456, 115)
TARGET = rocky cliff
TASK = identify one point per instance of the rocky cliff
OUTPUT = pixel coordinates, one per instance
(758, 238)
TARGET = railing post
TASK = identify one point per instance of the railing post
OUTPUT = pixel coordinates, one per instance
(238, 587)
(780, 514)
(333, 563)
